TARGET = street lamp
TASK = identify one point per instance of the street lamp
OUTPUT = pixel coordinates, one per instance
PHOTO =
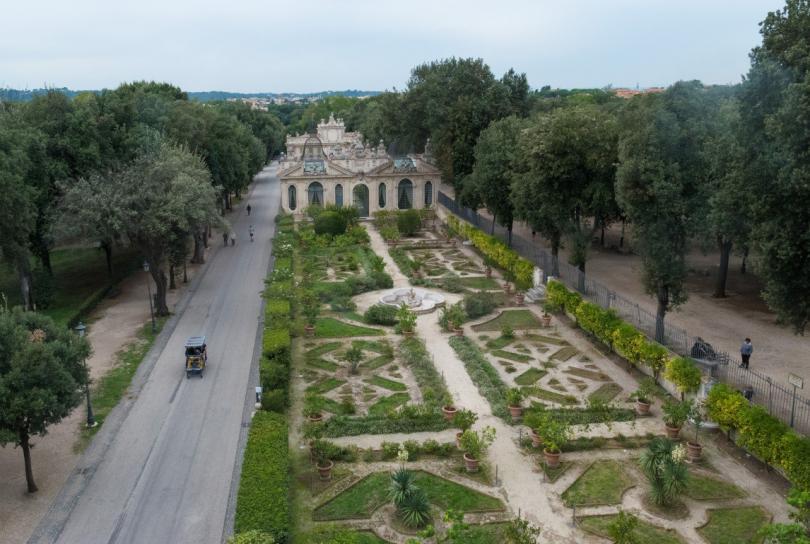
(149, 290)
(91, 420)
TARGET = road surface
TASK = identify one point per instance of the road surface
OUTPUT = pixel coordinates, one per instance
(166, 476)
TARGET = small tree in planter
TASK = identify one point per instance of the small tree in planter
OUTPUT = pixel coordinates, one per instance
(475, 445)
(310, 308)
(534, 421)
(548, 307)
(684, 373)
(452, 318)
(514, 398)
(556, 432)
(323, 463)
(464, 420)
(353, 356)
(488, 264)
(521, 286)
(407, 320)
(509, 277)
(694, 449)
(643, 396)
(675, 415)
(622, 529)
(663, 465)
(313, 408)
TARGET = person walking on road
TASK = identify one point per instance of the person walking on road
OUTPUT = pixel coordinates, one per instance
(746, 350)
(225, 238)
(250, 230)
(248, 209)
(233, 238)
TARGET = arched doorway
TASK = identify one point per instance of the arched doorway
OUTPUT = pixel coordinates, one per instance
(405, 195)
(292, 201)
(315, 194)
(360, 200)
(428, 194)
(339, 195)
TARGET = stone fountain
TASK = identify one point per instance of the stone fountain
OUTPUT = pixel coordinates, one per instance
(419, 301)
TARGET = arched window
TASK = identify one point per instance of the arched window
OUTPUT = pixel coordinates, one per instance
(315, 194)
(339, 195)
(291, 200)
(405, 195)
(428, 194)
(381, 196)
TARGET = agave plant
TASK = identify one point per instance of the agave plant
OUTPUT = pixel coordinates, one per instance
(402, 486)
(415, 511)
(663, 465)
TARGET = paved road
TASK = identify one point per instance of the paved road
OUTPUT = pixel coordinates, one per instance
(166, 476)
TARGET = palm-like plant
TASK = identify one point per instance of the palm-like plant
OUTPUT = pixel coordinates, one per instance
(663, 465)
(413, 506)
(402, 486)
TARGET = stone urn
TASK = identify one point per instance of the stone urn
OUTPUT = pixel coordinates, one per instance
(325, 471)
(694, 451)
(546, 320)
(470, 463)
(516, 412)
(449, 412)
(309, 330)
(642, 408)
(537, 440)
(672, 432)
(458, 439)
(552, 459)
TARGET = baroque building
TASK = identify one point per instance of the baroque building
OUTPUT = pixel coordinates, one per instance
(335, 167)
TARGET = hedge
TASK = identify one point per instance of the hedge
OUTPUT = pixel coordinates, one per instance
(483, 374)
(761, 434)
(275, 342)
(492, 248)
(262, 503)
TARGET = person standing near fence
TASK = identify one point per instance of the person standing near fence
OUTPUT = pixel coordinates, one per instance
(746, 350)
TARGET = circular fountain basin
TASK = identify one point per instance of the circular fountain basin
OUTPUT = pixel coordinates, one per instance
(419, 301)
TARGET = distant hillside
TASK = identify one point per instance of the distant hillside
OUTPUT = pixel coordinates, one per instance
(22, 95)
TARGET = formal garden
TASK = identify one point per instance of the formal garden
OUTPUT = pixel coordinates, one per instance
(495, 417)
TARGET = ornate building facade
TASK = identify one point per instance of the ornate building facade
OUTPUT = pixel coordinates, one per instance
(335, 167)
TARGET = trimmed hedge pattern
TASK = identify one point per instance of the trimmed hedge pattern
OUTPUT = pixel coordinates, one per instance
(483, 374)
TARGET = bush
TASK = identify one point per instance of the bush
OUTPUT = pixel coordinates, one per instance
(274, 400)
(409, 222)
(479, 304)
(263, 503)
(342, 304)
(252, 537)
(413, 353)
(381, 314)
(411, 418)
(331, 223)
(684, 373)
(275, 342)
(483, 374)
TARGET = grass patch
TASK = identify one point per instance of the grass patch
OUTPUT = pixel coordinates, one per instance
(323, 364)
(645, 533)
(337, 408)
(377, 362)
(481, 282)
(329, 327)
(325, 385)
(551, 396)
(385, 383)
(323, 349)
(588, 374)
(386, 404)
(113, 385)
(704, 488)
(373, 345)
(605, 393)
(363, 498)
(519, 357)
(564, 354)
(485, 377)
(516, 319)
(604, 482)
(530, 376)
(734, 525)
(553, 474)
(546, 339)
(500, 342)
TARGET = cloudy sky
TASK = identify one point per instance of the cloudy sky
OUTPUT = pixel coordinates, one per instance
(313, 45)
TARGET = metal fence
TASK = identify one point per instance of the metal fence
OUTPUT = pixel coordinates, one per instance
(782, 401)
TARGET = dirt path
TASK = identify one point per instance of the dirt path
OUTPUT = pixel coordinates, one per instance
(111, 326)
(381, 248)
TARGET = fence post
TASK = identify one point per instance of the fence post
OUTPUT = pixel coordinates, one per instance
(770, 393)
(793, 407)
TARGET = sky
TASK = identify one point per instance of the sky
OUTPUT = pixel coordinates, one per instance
(316, 45)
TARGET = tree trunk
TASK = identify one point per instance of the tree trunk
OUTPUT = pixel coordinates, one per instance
(722, 273)
(26, 282)
(745, 257)
(200, 240)
(161, 307)
(29, 472)
(492, 227)
(663, 304)
(107, 247)
(39, 245)
(172, 283)
(555, 256)
(621, 239)
(509, 234)
(185, 273)
(602, 236)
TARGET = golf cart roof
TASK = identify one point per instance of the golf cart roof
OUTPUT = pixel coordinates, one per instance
(195, 342)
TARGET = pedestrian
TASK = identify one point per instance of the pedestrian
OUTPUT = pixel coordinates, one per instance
(746, 350)
(225, 238)
(233, 238)
(248, 209)
(250, 230)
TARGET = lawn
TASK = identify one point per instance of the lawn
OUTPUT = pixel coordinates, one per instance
(373, 345)
(520, 358)
(603, 483)
(486, 534)
(545, 394)
(362, 499)
(564, 354)
(704, 488)
(325, 385)
(322, 349)
(323, 364)
(500, 342)
(385, 383)
(386, 404)
(645, 533)
(605, 393)
(530, 376)
(329, 327)
(516, 319)
(480, 282)
(734, 525)
(546, 339)
(377, 362)
(589, 374)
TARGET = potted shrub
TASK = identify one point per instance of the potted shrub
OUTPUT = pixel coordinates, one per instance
(521, 286)
(449, 411)
(353, 356)
(313, 408)
(323, 464)
(453, 317)
(407, 321)
(311, 309)
(675, 415)
(464, 420)
(547, 307)
(488, 262)
(555, 432)
(534, 421)
(514, 398)
(694, 451)
(475, 444)
(643, 396)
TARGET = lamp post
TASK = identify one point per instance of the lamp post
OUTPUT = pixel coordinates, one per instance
(91, 420)
(149, 290)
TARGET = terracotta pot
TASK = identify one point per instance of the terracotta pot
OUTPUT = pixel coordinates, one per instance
(519, 298)
(516, 412)
(642, 408)
(407, 334)
(537, 440)
(507, 288)
(449, 412)
(459, 331)
(309, 330)
(458, 439)
(470, 463)
(488, 272)
(315, 419)
(546, 320)
(693, 451)
(325, 472)
(672, 432)
(552, 459)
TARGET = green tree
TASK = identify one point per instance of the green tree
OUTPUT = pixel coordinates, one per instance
(663, 465)
(42, 371)
(622, 529)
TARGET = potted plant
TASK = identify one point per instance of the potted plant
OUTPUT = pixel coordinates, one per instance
(555, 432)
(475, 444)
(643, 396)
(311, 309)
(547, 307)
(675, 415)
(449, 411)
(514, 398)
(353, 356)
(313, 408)
(323, 464)
(416, 266)
(407, 320)
(464, 420)
(534, 421)
(694, 450)
(488, 262)
(521, 286)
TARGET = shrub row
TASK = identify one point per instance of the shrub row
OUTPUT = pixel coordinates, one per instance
(262, 503)
(413, 353)
(496, 251)
(483, 374)
(400, 257)
(761, 434)
(388, 450)
(623, 338)
(410, 419)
